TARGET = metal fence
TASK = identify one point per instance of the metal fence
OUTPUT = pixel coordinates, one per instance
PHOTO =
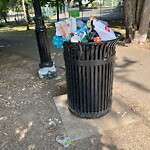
(103, 9)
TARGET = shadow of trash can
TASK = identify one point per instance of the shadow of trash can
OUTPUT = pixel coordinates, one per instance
(89, 76)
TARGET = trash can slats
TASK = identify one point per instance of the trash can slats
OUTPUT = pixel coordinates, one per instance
(89, 76)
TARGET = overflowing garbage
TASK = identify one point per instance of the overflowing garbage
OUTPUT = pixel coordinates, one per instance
(74, 30)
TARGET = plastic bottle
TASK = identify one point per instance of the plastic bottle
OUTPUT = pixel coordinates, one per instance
(92, 34)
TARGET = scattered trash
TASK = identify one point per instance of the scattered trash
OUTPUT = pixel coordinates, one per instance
(5, 133)
(58, 78)
(58, 41)
(56, 119)
(9, 97)
(124, 114)
(118, 112)
(32, 78)
(92, 140)
(23, 89)
(73, 30)
(64, 140)
(47, 72)
(52, 122)
(6, 103)
(49, 92)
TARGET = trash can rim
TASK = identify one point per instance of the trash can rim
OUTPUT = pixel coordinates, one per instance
(118, 34)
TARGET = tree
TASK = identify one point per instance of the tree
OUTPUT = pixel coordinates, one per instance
(25, 5)
(57, 4)
(5, 6)
(137, 20)
(81, 3)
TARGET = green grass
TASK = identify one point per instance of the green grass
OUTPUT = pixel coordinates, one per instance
(117, 25)
(20, 28)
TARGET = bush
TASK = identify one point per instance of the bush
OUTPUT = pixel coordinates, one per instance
(95, 4)
(2, 25)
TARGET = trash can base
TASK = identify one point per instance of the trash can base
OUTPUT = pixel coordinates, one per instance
(90, 115)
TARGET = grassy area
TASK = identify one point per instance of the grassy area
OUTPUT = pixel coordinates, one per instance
(117, 25)
(20, 28)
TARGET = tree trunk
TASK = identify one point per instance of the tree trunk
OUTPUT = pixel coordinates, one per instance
(57, 6)
(144, 23)
(80, 4)
(137, 18)
(129, 21)
(5, 19)
(25, 14)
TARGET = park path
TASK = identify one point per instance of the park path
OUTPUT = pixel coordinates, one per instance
(27, 107)
(131, 71)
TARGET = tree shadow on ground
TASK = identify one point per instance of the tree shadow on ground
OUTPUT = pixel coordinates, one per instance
(126, 62)
(125, 68)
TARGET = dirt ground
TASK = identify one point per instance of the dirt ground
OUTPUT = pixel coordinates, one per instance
(26, 105)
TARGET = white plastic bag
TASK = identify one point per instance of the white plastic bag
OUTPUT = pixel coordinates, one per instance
(103, 31)
(63, 28)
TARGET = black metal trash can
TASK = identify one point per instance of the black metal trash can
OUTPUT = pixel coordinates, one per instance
(89, 77)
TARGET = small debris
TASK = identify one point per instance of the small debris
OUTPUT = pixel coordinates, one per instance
(52, 122)
(58, 78)
(124, 114)
(118, 112)
(6, 103)
(56, 119)
(9, 97)
(5, 133)
(30, 147)
(64, 140)
(41, 102)
(48, 92)
(59, 54)
(59, 148)
(1, 118)
(23, 89)
(92, 140)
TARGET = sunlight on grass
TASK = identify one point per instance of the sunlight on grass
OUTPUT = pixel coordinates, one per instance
(17, 28)
(21, 29)
(122, 31)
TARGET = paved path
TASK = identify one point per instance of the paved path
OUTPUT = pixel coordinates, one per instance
(27, 46)
(131, 83)
(131, 71)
